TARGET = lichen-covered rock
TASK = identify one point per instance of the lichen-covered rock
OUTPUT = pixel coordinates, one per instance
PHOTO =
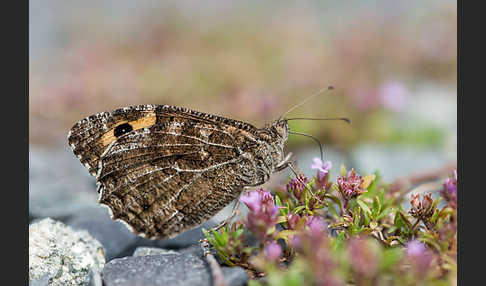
(65, 256)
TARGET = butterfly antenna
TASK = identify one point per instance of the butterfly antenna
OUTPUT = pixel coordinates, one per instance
(305, 100)
(313, 138)
(347, 120)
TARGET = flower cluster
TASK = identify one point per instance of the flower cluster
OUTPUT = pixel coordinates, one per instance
(449, 190)
(351, 186)
(419, 257)
(295, 186)
(263, 213)
(322, 171)
(372, 241)
(422, 210)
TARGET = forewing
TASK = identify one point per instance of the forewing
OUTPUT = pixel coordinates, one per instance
(173, 171)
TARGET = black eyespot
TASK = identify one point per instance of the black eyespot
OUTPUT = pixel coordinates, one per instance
(122, 129)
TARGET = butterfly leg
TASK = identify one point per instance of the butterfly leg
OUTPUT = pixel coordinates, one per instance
(228, 219)
(233, 212)
(286, 163)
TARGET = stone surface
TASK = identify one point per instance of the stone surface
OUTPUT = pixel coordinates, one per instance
(396, 161)
(61, 255)
(143, 251)
(115, 237)
(118, 240)
(166, 269)
(58, 184)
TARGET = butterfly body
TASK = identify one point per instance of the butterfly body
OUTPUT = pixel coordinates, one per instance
(164, 169)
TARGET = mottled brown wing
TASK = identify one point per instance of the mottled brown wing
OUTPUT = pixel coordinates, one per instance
(163, 169)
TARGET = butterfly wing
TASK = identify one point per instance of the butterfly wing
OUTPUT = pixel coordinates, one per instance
(163, 169)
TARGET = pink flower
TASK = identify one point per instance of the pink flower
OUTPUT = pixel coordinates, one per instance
(449, 190)
(317, 227)
(292, 220)
(295, 186)
(350, 186)
(322, 169)
(422, 210)
(364, 256)
(273, 251)
(253, 200)
(419, 256)
(263, 214)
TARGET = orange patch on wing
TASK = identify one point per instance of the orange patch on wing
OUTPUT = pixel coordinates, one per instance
(140, 123)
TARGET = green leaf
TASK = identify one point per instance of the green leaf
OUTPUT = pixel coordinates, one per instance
(335, 199)
(356, 217)
(298, 209)
(281, 219)
(343, 170)
(333, 210)
(431, 241)
(217, 238)
(254, 283)
(224, 257)
(339, 242)
(285, 234)
(390, 257)
(363, 206)
(206, 234)
(376, 206)
(436, 202)
(278, 202)
(366, 218)
(405, 219)
(238, 232)
(384, 213)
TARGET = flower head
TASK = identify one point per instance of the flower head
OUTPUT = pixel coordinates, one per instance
(322, 169)
(292, 220)
(263, 212)
(449, 190)
(273, 251)
(364, 255)
(422, 209)
(317, 228)
(253, 200)
(350, 186)
(296, 187)
(419, 257)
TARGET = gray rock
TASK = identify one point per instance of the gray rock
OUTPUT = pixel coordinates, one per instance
(395, 161)
(235, 276)
(119, 241)
(61, 255)
(59, 184)
(166, 269)
(41, 281)
(115, 237)
(142, 251)
(183, 240)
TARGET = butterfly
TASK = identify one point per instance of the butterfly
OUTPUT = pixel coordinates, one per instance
(165, 169)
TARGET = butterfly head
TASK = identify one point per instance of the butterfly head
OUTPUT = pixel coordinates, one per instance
(281, 129)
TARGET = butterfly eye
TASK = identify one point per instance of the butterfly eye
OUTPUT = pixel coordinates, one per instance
(122, 129)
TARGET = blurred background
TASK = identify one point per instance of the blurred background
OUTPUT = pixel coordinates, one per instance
(393, 65)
